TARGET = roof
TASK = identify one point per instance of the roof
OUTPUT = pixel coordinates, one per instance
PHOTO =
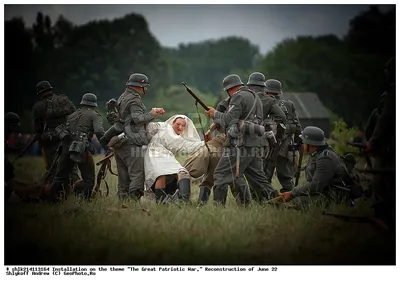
(308, 105)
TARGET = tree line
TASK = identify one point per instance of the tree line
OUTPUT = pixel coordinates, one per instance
(99, 56)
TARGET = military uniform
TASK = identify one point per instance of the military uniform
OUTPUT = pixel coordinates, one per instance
(48, 113)
(324, 168)
(244, 104)
(76, 148)
(326, 174)
(285, 159)
(270, 109)
(129, 155)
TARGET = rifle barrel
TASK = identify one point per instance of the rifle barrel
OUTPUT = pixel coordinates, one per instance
(195, 97)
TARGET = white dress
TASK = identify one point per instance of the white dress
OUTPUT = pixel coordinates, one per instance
(159, 158)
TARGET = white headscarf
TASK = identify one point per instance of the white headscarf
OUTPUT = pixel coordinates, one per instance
(190, 131)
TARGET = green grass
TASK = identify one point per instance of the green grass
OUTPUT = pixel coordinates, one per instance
(102, 232)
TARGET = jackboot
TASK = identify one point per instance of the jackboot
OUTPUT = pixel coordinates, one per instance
(160, 194)
(184, 189)
(204, 195)
(220, 194)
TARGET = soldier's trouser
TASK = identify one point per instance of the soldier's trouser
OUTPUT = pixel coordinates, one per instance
(285, 173)
(49, 150)
(64, 168)
(251, 164)
(203, 163)
(130, 165)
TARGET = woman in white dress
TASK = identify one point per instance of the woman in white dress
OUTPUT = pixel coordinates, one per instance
(163, 173)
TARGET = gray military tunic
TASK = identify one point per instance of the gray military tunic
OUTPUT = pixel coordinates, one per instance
(250, 149)
(284, 159)
(84, 120)
(323, 169)
(48, 113)
(130, 155)
(270, 109)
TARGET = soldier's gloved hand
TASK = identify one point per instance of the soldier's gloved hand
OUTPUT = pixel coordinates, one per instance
(287, 196)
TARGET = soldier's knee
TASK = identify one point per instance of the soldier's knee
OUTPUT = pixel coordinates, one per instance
(183, 174)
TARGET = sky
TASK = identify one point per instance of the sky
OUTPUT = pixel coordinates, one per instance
(263, 25)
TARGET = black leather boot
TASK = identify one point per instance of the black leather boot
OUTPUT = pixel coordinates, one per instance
(204, 195)
(184, 189)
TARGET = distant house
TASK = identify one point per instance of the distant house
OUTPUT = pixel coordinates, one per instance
(310, 110)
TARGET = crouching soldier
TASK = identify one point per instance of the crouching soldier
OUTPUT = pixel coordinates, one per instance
(326, 174)
(76, 148)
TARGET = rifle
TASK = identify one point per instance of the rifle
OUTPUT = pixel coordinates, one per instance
(203, 105)
(297, 174)
(362, 148)
(101, 175)
(53, 164)
(195, 97)
(171, 198)
(34, 139)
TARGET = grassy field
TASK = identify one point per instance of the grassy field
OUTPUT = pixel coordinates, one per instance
(103, 232)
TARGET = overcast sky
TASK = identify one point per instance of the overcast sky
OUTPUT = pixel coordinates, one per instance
(263, 25)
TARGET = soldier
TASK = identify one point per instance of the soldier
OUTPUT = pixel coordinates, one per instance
(12, 123)
(288, 145)
(242, 149)
(256, 83)
(129, 154)
(48, 113)
(76, 147)
(325, 172)
(382, 146)
(112, 113)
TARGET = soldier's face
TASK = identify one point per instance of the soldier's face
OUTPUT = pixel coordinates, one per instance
(179, 125)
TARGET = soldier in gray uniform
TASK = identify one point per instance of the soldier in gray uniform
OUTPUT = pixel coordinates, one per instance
(129, 154)
(48, 113)
(242, 150)
(325, 172)
(290, 141)
(256, 83)
(77, 148)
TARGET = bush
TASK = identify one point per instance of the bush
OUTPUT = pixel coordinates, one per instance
(342, 135)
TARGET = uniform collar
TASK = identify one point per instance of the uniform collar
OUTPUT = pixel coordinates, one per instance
(132, 91)
(319, 150)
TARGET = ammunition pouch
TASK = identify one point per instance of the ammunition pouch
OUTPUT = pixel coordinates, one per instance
(253, 128)
(79, 145)
(62, 132)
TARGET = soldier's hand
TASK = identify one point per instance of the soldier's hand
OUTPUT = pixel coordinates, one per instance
(287, 196)
(157, 111)
(211, 112)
